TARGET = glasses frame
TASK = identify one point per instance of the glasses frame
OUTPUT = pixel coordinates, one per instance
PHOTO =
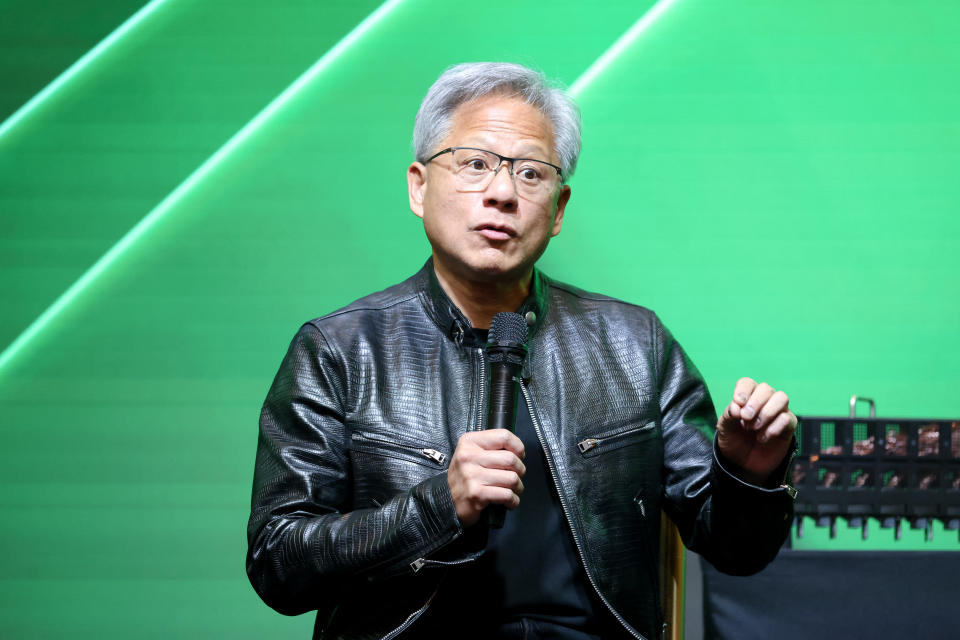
(501, 157)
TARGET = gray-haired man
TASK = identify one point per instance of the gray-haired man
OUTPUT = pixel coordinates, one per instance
(373, 468)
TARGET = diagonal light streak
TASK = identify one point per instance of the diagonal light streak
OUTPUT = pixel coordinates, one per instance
(147, 222)
(82, 63)
(600, 64)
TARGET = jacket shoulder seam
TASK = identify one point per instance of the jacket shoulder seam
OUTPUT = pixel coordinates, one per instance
(595, 297)
(355, 306)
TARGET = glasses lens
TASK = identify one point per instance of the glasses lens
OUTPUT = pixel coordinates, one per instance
(474, 169)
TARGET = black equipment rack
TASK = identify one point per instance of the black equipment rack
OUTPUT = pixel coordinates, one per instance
(891, 469)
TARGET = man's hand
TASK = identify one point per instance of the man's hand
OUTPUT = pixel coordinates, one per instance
(756, 428)
(485, 469)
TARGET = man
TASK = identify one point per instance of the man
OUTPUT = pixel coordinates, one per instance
(374, 471)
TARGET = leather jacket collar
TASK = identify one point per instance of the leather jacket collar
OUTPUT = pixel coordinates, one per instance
(453, 323)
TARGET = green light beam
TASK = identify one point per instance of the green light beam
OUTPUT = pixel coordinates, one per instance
(600, 64)
(201, 172)
(82, 63)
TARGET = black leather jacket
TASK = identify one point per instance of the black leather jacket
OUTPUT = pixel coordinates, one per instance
(352, 515)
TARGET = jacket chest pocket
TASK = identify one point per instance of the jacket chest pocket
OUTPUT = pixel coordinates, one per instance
(617, 438)
(616, 466)
(381, 445)
(384, 466)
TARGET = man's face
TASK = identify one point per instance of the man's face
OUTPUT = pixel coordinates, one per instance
(493, 234)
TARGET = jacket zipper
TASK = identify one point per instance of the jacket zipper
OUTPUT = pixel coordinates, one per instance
(592, 443)
(411, 618)
(481, 376)
(437, 456)
(420, 563)
(566, 511)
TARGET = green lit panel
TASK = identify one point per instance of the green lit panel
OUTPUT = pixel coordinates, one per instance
(120, 134)
(878, 538)
(781, 182)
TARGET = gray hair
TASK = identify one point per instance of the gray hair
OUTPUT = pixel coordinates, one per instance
(465, 82)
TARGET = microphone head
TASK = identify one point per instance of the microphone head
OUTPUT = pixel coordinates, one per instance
(507, 327)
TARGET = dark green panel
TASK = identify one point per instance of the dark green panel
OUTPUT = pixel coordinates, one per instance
(40, 39)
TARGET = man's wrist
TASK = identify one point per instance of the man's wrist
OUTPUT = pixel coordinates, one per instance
(775, 480)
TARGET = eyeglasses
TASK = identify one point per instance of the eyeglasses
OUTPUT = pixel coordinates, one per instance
(474, 169)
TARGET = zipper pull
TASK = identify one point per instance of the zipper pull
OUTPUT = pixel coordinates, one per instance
(792, 492)
(586, 445)
(458, 334)
(434, 455)
(417, 564)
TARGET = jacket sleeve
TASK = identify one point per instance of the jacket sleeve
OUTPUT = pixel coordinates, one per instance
(306, 546)
(738, 527)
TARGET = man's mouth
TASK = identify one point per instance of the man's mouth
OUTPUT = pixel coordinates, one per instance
(497, 232)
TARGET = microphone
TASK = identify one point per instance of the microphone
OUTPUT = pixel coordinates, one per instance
(506, 350)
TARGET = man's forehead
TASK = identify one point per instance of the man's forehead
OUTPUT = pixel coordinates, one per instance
(498, 119)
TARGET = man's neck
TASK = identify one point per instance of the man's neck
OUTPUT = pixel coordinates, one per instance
(480, 300)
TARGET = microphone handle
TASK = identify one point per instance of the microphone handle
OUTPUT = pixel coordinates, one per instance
(502, 414)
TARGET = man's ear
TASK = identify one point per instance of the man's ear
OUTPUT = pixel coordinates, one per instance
(562, 200)
(416, 187)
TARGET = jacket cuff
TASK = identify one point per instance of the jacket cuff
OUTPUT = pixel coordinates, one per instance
(435, 493)
(465, 546)
(730, 474)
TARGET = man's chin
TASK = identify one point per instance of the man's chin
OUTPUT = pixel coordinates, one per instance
(493, 272)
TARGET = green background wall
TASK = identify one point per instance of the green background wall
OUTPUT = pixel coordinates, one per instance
(777, 180)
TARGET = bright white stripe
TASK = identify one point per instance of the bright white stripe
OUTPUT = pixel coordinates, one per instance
(600, 64)
(82, 63)
(165, 205)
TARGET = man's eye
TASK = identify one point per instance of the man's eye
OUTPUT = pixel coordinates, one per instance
(475, 164)
(528, 174)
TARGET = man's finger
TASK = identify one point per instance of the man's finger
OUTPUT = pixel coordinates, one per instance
(757, 399)
(741, 393)
(499, 459)
(782, 427)
(496, 495)
(777, 403)
(731, 416)
(497, 439)
(500, 478)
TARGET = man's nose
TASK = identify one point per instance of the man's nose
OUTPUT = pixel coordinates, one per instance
(502, 191)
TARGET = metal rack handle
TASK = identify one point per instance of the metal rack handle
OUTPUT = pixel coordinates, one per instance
(854, 399)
